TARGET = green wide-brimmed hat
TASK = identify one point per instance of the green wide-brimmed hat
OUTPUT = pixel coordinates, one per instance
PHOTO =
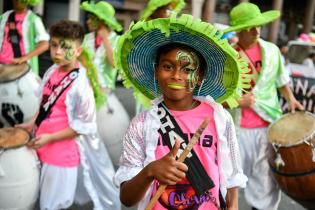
(31, 2)
(155, 4)
(247, 15)
(136, 53)
(103, 11)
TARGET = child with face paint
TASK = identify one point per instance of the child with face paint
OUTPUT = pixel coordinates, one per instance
(155, 9)
(22, 35)
(75, 165)
(185, 78)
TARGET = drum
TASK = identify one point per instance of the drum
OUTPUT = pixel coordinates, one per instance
(292, 156)
(19, 171)
(18, 99)
(112, 123)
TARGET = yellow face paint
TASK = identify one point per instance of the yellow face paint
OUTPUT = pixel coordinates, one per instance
(175, 86)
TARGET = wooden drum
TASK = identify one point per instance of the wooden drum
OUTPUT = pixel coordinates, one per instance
(292, 156)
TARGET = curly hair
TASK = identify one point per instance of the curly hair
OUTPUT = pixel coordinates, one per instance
(67, 29)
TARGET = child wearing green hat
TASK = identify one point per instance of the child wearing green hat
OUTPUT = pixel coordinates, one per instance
(156, 9)
(98, 45)
(22, 35)
(259, 106)
(185, 67)
(161, 9)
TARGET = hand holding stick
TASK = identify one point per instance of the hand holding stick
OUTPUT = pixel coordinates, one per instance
(181, 159)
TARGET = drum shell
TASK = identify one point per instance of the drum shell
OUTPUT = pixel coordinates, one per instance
(28, 102)
(297, 177)
(112, 123)
(19, 179)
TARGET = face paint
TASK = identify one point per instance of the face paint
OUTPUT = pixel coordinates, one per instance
(189, 62)
(67, 45)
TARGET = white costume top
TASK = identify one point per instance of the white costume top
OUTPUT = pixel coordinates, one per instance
(96, 168)
(142, 137)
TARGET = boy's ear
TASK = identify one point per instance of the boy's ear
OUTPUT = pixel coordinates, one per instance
(79, 50)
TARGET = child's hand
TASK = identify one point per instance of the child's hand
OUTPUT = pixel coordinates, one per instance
(26, 126)
(167, 170)
(247, 101)
(39, 141)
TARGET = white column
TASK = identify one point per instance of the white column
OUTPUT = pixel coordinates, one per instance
(39, 9)
(74, 10)
(196, 8)
(209, 10)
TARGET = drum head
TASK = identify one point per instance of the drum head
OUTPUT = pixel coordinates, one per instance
(13, 137)
(292, 129)
(12, 72)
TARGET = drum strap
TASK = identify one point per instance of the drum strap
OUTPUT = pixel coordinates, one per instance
(170, 130)
(14, 36)
(47, 104)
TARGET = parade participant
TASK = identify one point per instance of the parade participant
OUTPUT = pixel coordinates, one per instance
(161, 9)
(75, 163)
(155, 9)
(112, 118)
(102, 40)
(22, 35)
(185, 77)
(259, 106)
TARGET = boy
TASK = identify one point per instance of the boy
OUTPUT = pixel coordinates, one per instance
(75, 163)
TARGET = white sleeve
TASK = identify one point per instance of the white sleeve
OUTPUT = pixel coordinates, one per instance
(133, 156)
(41, 34)
(81, 106)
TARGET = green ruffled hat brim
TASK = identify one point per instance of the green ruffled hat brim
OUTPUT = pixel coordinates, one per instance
(149, 10)
(32, 2)
(263, 19)
(110, 21)
(233, 70)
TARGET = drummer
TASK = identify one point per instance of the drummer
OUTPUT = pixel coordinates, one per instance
(22, 35)
(260, 105)
(101, 40)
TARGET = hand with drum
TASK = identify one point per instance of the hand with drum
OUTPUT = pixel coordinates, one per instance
(20, 60)
(294, 104)
(40, 141)
(289, 97)
(28, 126)
(247, 101)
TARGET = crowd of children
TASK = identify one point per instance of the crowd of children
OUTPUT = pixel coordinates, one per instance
(181, 72)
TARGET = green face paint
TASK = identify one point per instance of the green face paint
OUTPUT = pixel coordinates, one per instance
(189, 63)
(68, 46)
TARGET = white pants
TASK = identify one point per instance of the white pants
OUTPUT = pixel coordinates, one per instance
(261, 192)
(57, 187)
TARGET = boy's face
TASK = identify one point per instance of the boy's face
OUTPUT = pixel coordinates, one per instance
(64, 51)
(178, 73)
(250, 35)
